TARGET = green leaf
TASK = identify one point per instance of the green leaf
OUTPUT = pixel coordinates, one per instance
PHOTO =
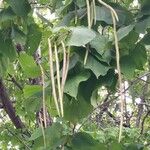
(33, 38)
(32, 90)
(131, 39)
(139, 56)
(76, 109)
(36, 134)
(134, 147)
(29, 66)
(146, 39)
(122, 32)
(66, 19)
(4, 62)
(83, 141)
(54, 135)
(7, 14)
(100, 43)
(145, 7)
(127, 66)
(95, 99)
(96, 66)
(116, 146)
(7, 48)
(18, 36)
(81, 36)
(73, 81)
(141, 26)
(32, 105)
(104, 14)
(80, 3)
(20, 7)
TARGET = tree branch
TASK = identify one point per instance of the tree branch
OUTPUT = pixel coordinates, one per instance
(143, 121)
(8, 106)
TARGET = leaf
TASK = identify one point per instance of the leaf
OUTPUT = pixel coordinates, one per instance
(145, 5)
(134, 147)
(139, 56)
(100, 43)
(73, 61)
(131, 39)
(4, 63)
(96, 66)
(31, 106)
(7, 48)
(141, 26)
(146, 39)
(95, 99)
(18, 36)
(29, 66)
(7, 14)
(80, 3)
(36, 134)
(54, 135)
(33, 38)
(82, 141)
(76, 109)
(123, 32)
(116, 146)
(127, 66)
(80, 36)
(32, 90)
(20, 7)
(72, 83)
(66, 19)
(79, 108)
(104, 14)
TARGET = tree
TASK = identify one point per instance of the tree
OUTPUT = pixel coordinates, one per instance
(74, 74)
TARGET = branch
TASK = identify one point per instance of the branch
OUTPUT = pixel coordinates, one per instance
(8, 106)
(15, 82)
(143, 121)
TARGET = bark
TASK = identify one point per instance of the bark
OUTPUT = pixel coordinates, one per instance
(8, 106)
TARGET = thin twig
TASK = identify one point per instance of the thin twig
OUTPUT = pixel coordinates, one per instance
(15, 82)
(143, 121)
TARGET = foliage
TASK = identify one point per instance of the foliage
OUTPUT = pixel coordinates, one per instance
(31, 42)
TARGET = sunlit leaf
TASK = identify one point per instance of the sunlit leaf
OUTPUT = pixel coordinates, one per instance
(81, 36)
(29, 66)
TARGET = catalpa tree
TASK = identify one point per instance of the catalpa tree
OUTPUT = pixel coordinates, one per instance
(74, 74)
